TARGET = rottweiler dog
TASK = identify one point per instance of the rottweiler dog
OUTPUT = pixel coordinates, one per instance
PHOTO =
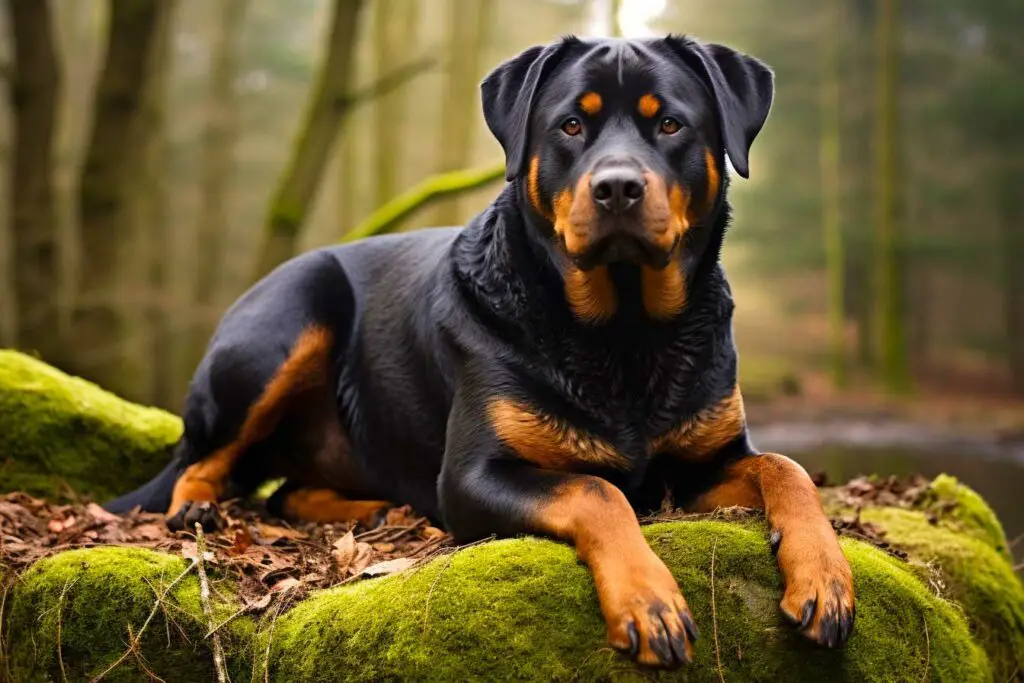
(563, 362)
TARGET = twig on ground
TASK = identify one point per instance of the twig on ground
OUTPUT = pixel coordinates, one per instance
(60, 609)
(714, 614)
(204, 597)
(242, 610)
(1018, 567)
(1015, 541)
(430, 592)
(143, 664)
(133, 639)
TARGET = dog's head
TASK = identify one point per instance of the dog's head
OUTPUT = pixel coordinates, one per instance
(619, 147)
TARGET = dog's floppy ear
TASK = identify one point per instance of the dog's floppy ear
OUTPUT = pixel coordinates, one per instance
(743, 88)
(508, 95)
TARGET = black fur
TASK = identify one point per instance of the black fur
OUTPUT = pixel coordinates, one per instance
(429, 325)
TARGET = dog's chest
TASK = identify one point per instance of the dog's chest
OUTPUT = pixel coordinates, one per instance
(603, 413)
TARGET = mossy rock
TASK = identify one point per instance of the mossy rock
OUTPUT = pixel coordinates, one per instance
(525, 609)
(59, 432)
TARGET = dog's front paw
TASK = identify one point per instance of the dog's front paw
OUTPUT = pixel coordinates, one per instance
(819, 588)
(204, 512)
(648, 617)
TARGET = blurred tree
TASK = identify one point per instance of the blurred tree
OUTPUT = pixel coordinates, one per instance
(469, 26)
(219, 137)
(395, 38)
(893, 369)
(831, 188)
(150, 351)
(113, 154)
(34, 82)
(328, 106)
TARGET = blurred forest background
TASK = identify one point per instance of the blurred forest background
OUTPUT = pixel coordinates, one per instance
(158, 156)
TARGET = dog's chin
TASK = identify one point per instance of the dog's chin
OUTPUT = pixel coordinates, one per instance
(624, 248)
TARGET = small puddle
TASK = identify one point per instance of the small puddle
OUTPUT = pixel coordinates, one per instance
(847, 449)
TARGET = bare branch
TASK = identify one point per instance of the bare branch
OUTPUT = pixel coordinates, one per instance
(387, 83)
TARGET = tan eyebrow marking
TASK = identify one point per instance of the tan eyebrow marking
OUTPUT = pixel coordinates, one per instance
(591, 103)
(648, 106)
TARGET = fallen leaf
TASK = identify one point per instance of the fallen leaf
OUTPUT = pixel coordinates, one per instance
(432, 532)
(271, 533)
(241, 541)
(58, 525)
(401, 516)
(389, 567)
(101, 515)
(261, 604)
(384, 547)
(350, 555)
(285, 584)
(150, 532)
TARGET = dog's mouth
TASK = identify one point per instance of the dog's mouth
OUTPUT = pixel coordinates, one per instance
(625, 246)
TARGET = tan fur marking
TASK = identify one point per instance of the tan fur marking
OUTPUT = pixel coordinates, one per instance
(664, 290)
(324, 506)
(591, 293)
(649, 106)
(575, 216)
(546, 441)
(304, 369)
(633, 585)
(533, 187)
(813, 566)
(706, 433)
(591, 103)
(666, 222)
(714, 179)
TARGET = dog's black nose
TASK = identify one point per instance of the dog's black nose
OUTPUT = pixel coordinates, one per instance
(617, 189)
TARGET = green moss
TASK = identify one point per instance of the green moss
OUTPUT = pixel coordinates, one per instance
(969, 509)
(973, 572)
(105, 593)
(56, 429)
(526, 609)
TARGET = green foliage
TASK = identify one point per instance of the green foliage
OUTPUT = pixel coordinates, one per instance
(56, 429)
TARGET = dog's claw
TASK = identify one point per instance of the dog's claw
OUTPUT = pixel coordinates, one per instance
(192, 512)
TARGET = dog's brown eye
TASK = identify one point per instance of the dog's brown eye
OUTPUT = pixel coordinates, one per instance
(669, 126)
(572, 126)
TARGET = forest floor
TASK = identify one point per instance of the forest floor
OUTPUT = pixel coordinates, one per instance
(266, 556)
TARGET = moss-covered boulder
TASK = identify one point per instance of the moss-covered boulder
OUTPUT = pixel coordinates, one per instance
(515, 609)
(58, 432)
(526, 609)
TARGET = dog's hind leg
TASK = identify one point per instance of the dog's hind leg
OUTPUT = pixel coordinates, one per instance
(324, 505)
(305, 370)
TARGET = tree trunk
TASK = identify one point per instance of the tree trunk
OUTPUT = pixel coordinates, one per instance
(469, 25)
(149, 347)
(329, 105)
(219, 139)
(113, 155)
(34, 93)
(396, 25)
(889, 324)
(831, 192)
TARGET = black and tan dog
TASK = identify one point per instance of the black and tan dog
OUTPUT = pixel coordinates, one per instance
(559, 364)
